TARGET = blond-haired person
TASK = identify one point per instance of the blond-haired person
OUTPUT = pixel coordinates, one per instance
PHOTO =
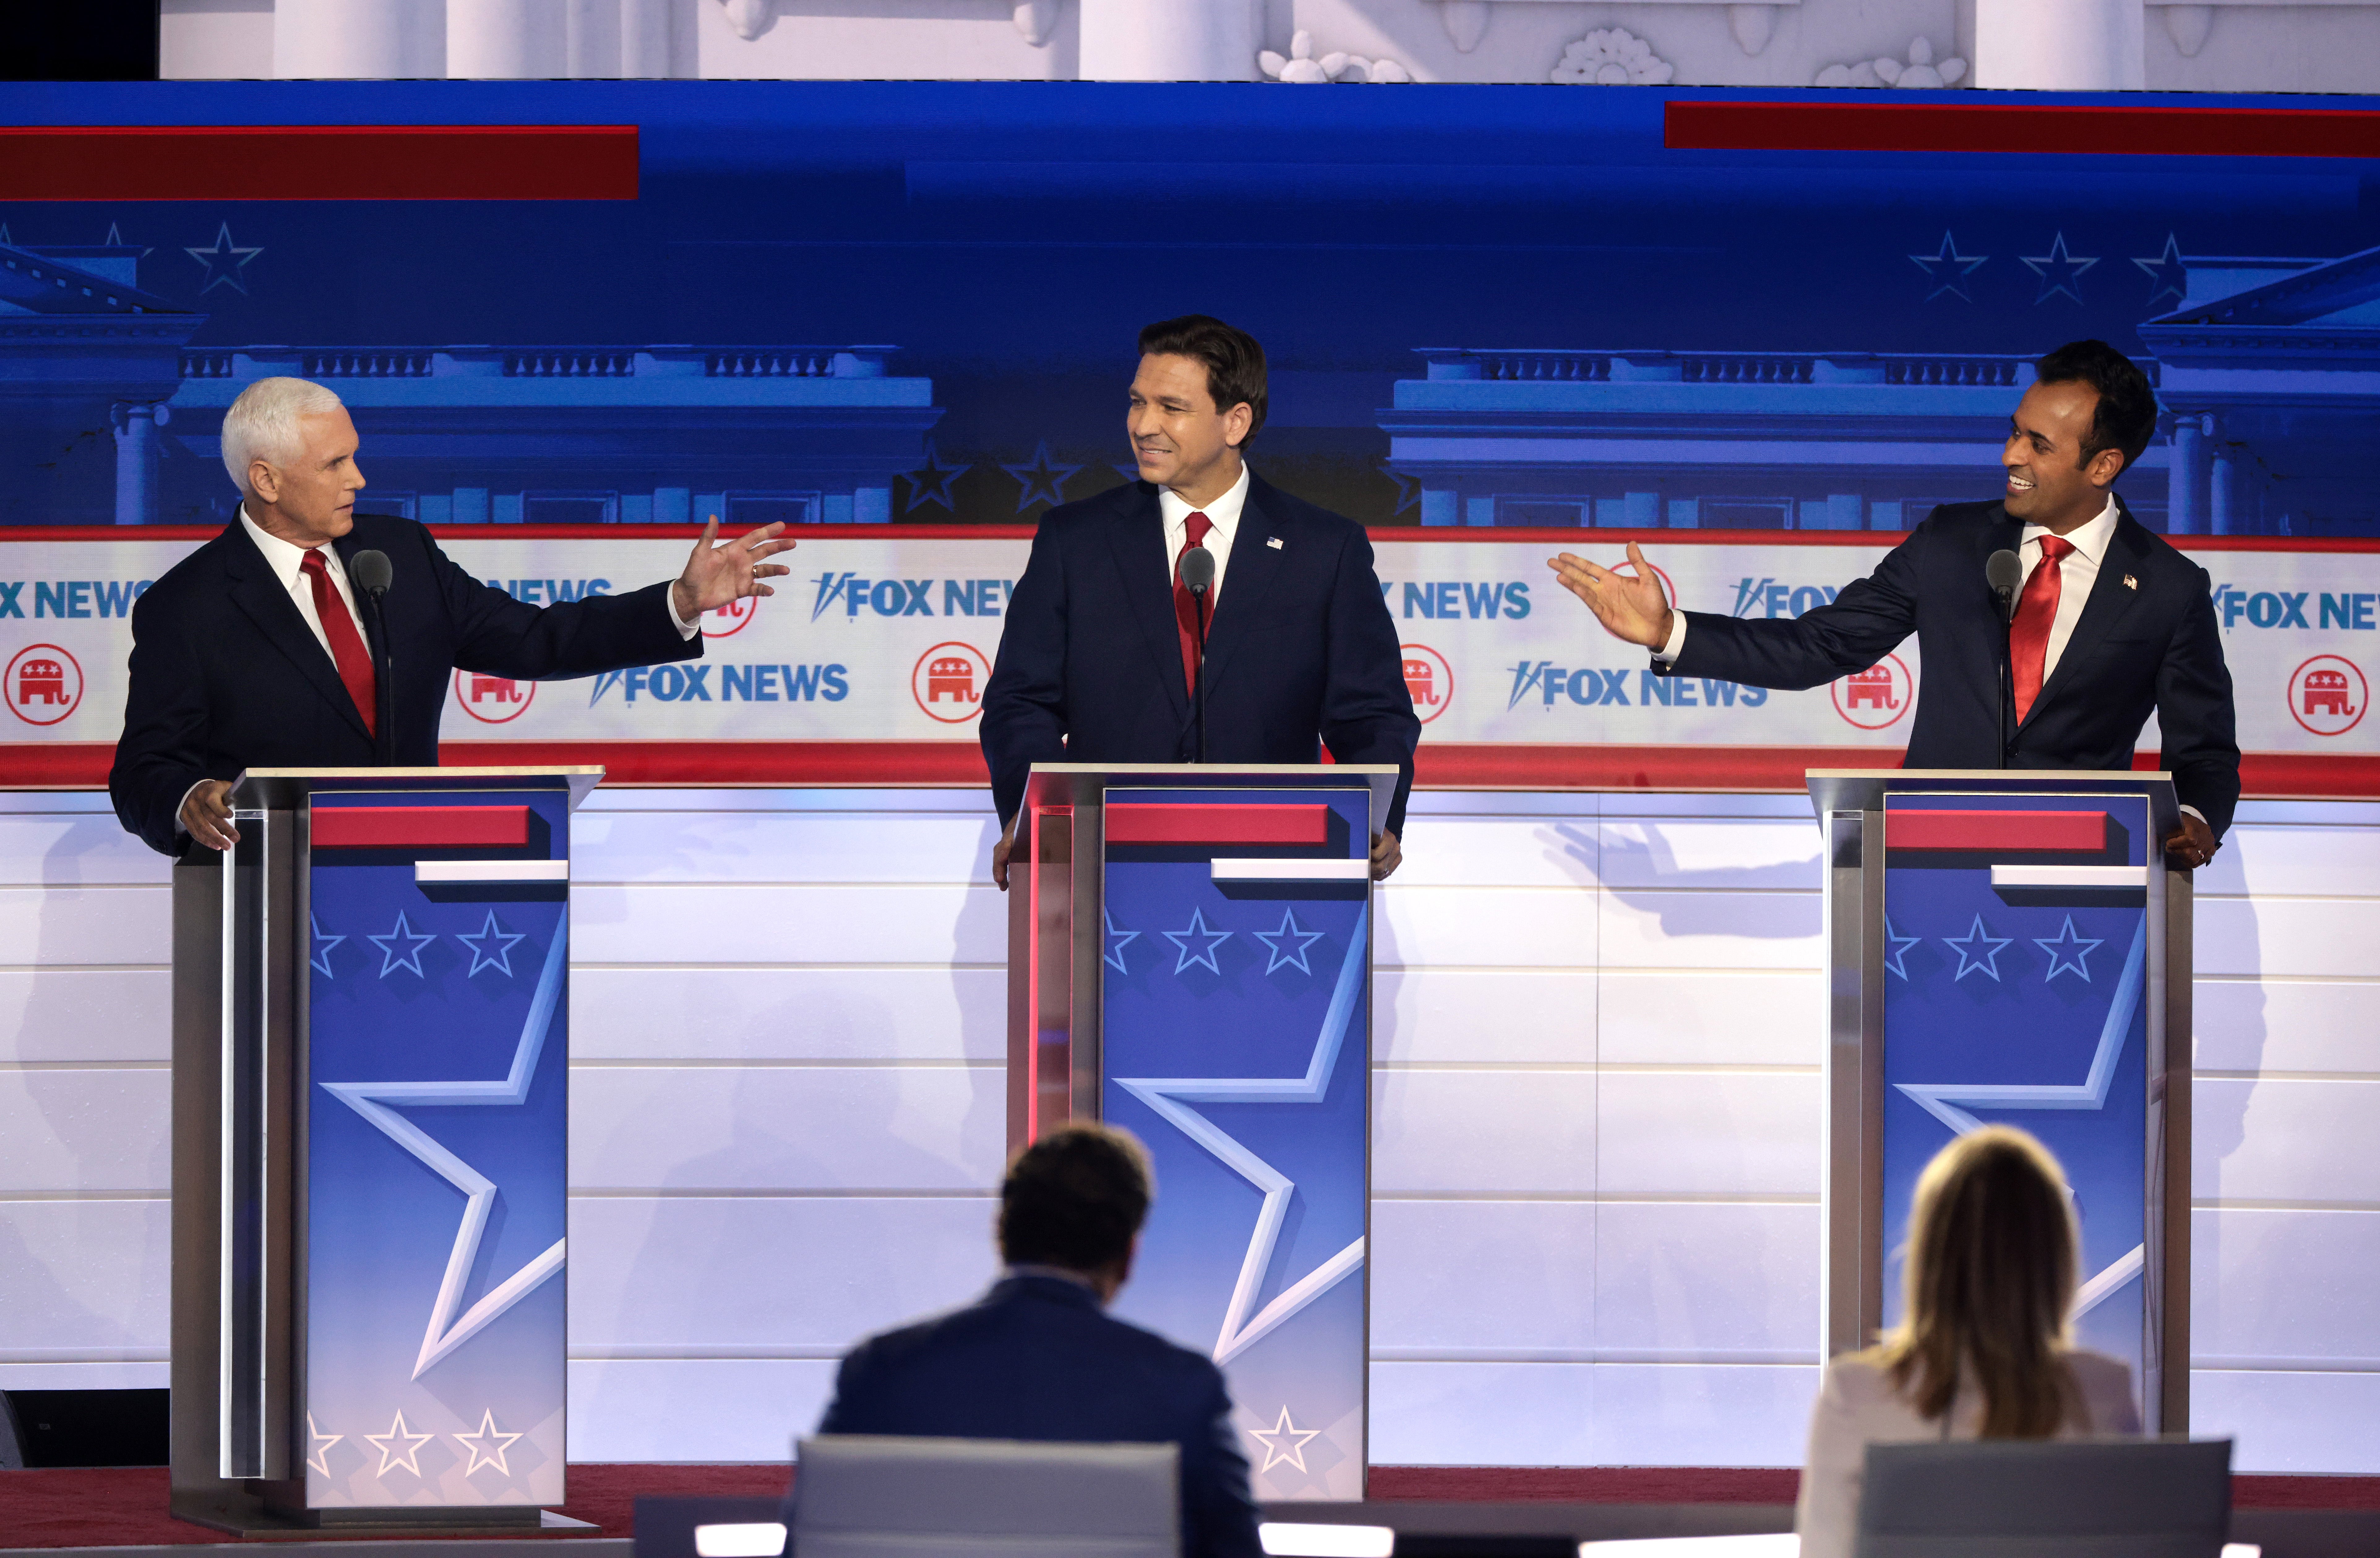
(1982, 1351)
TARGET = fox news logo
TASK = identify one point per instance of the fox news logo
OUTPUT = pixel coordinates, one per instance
(736, 684)
(1766, 597)
(909, 596)
(1590, 685)
(2355, 613)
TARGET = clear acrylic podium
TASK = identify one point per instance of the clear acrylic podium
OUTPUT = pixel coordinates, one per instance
(370, 1148)
(2009, 946)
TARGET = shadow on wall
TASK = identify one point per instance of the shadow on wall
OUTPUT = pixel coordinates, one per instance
(1639, 853)
(2229, 1032)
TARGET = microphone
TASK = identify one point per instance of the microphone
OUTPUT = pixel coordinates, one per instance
(1199, 576)
(1198, 569)
(371, 573)
(2003, 571)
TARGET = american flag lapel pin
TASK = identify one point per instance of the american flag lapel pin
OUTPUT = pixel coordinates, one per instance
(2131, 583)
(1274, 541)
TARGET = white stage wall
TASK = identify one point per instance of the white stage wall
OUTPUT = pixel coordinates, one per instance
(1595, 1172)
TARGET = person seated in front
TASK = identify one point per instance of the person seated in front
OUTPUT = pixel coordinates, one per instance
(1037, 1359)
(1982, 1351)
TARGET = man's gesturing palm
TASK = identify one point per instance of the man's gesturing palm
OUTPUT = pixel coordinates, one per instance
(1631, 608)
(716, 574)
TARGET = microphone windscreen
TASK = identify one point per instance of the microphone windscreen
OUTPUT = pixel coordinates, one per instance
(370, 571)
(2004, 571)
(1198, 569)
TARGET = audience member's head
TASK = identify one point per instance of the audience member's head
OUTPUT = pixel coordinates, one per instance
(1075, 1200)
(1990, 1279)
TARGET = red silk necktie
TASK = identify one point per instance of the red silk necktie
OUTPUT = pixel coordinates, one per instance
(2029, 634)
(1186, 608)
(347, 645)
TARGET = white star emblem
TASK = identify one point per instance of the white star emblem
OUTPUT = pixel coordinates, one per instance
(323, 944)
(371, 1099)
(1284, 1442)
(401, 948)
(501, 958)
(2066, 951)
(488, 1446)
(1293, 955)
(1197, 931)
(397, 1446)
(319, 1452)
(1117, 942)
(1900, 948)
(1977, 949)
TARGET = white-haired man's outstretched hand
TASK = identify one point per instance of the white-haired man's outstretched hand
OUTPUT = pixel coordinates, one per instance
(1631, 608)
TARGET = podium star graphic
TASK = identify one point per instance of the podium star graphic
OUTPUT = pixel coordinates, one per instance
(1284, 1442)
(1197, 930)
(2066, 951)
(401, 948)
(1898, 949)
(2060, 272)
(398, 1446)
(488, 1446)
(1977, 949)
(1947, 270)
(323, 944)
(501, 958)
(224, 261)
(371, 1099)
(1117, 942)
(1042, 480)
(1295, 954)
(319, 1447)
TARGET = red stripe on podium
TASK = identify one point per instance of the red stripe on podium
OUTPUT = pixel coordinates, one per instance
(420, 827)
(1196, 823)
(2028, 831)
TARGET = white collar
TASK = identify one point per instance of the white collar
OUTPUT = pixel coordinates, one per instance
(1224, 513)
(287, 559)
(2090, 540)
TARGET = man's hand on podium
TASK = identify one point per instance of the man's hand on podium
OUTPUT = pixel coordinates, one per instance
(206, 814)
(1632, 608)
(1387, 856)
(2192, 844)
(1000, 853)
(716, 574)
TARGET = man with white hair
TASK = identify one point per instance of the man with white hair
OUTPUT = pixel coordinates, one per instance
(259, 650)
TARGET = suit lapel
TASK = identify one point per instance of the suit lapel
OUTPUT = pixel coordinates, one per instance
(1138, 540)
(2110, 601)
(1254, 567)
(267, 604)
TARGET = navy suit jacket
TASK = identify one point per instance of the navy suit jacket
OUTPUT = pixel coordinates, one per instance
(227, 676)
(2147, 639)
(1301, 653)
(1037, 1359)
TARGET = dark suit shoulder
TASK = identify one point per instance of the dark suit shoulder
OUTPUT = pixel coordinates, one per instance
(196, 579)
(1069, 518)
(2159, 555)
(1288, 508)
(1000, 1312)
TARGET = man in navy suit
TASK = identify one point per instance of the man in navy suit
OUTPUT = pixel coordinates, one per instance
(256, 650)
(2110, 621)
(1037, 1359)
(1098, 656)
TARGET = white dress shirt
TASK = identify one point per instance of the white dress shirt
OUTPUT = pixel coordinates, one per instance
(1224, 512)
(2077, 572)
(1858, 1406)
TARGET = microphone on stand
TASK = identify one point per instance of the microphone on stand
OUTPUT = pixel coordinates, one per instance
(2004, 570)
(371, 573)
(1198, 578)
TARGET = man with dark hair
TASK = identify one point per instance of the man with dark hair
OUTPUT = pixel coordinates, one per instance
(2110, 622)
(1099, 659)
(1036, 1358)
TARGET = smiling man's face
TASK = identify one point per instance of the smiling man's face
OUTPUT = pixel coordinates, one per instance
(2049, 482)
(1179, 435)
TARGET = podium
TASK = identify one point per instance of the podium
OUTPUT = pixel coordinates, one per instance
(369, 1146)
(1190, 959)
(2009, 946)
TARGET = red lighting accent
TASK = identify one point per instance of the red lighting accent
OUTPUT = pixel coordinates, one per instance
(1148, 823)
(420, 827)
(2072, 129)
(2006, 832)
(318, 163)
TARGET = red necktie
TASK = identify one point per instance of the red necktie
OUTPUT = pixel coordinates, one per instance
(1185, 608)
(346, 644)
(2029, 634)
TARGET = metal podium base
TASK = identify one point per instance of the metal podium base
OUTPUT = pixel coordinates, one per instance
(249, 1517)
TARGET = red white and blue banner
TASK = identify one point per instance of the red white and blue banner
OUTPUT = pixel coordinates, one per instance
(867, 666)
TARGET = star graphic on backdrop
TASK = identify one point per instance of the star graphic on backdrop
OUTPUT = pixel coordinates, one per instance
(1977, 949)
(1197, 930)
(324, 942)
(2168, 277)
(5, 237)
(2067, 951)
(225, 263)
(371, 1099)
(501, 958)
(1171, 1097)
(391, 958)
(1117, 942)
(1947, 270)
(931, 482)
(1408, 488)
(1899, 945)
(2060, 272)
(1293, 955)
(317, 1453)
(398, 1446)
(116, 240)
(1284, 1442)
(1042, 480)
(487, 1446)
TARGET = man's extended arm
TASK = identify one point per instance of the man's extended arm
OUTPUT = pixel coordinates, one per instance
(1367, 711)
(2196, 720)
(162, 755)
